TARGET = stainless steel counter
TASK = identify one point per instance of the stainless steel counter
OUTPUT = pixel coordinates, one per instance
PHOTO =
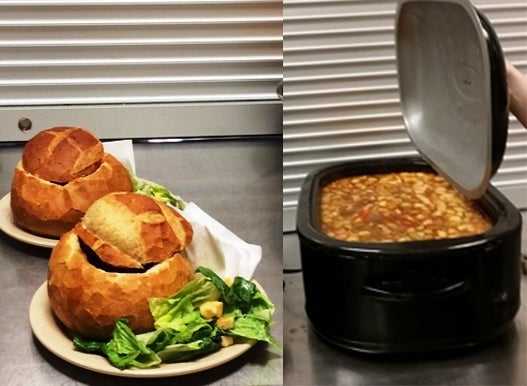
(239, 182)
(308, 360)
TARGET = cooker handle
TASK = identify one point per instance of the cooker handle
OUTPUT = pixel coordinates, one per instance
(385, 291)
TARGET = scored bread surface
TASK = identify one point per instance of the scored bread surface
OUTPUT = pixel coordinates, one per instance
(62, 154)
(141, 228)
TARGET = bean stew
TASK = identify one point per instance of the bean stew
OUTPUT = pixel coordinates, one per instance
(397, 207)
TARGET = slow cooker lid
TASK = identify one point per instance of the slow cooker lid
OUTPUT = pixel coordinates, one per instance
(445, 83)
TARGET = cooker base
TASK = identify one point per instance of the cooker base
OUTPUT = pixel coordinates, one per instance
(409, 348)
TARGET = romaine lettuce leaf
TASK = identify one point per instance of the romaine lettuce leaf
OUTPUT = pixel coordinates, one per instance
(184, 352)
(124, 350)
(252, 327)
(157, 191)
(177, 318)
(174, 310)
(239, 295)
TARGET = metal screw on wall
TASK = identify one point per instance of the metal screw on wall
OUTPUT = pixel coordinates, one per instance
(25, 124)
(280, 90)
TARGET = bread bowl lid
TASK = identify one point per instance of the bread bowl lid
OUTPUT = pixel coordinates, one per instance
(452, 88)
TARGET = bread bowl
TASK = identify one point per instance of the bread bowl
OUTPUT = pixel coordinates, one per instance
(127, 248)
(63, 170)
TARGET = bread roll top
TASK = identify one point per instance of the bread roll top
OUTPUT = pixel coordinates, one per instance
(130, 230)
(61, 154)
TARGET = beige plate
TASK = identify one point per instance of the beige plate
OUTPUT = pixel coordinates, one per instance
(51, 335)
(8, 226)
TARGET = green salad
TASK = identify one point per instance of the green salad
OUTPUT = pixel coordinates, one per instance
(156, 191)
(202, 317)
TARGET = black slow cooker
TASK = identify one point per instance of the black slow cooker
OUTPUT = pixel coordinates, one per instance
(409, 296)
(395, 297)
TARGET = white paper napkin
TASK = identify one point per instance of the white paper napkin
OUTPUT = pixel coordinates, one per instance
(213, 245)
(123, 151)
(216, 247)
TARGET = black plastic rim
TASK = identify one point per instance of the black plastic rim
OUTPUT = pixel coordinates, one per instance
(499, 92)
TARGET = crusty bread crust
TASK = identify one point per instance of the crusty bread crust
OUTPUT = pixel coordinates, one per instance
(139, 226)
(97, 271)
(88, 300)
(62, 154)
(51, 209)
(105, 251)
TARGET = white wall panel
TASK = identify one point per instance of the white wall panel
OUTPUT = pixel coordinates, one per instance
(91, 54)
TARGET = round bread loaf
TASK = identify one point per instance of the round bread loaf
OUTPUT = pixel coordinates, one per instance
(126, 249)
(62, 172)
(61, 154)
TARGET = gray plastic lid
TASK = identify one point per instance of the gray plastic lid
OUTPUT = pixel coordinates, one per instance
(445, 89)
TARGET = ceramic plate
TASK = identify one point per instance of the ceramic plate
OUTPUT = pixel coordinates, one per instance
(8, 226)
(52, 336)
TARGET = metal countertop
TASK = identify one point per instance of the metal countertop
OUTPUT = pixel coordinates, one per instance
(238, 182)
(308, 360)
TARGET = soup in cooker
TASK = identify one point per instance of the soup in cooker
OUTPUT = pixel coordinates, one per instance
(404, 206)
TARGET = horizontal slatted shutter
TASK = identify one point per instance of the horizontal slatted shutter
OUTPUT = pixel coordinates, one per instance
(341, 97)
(97, 60)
